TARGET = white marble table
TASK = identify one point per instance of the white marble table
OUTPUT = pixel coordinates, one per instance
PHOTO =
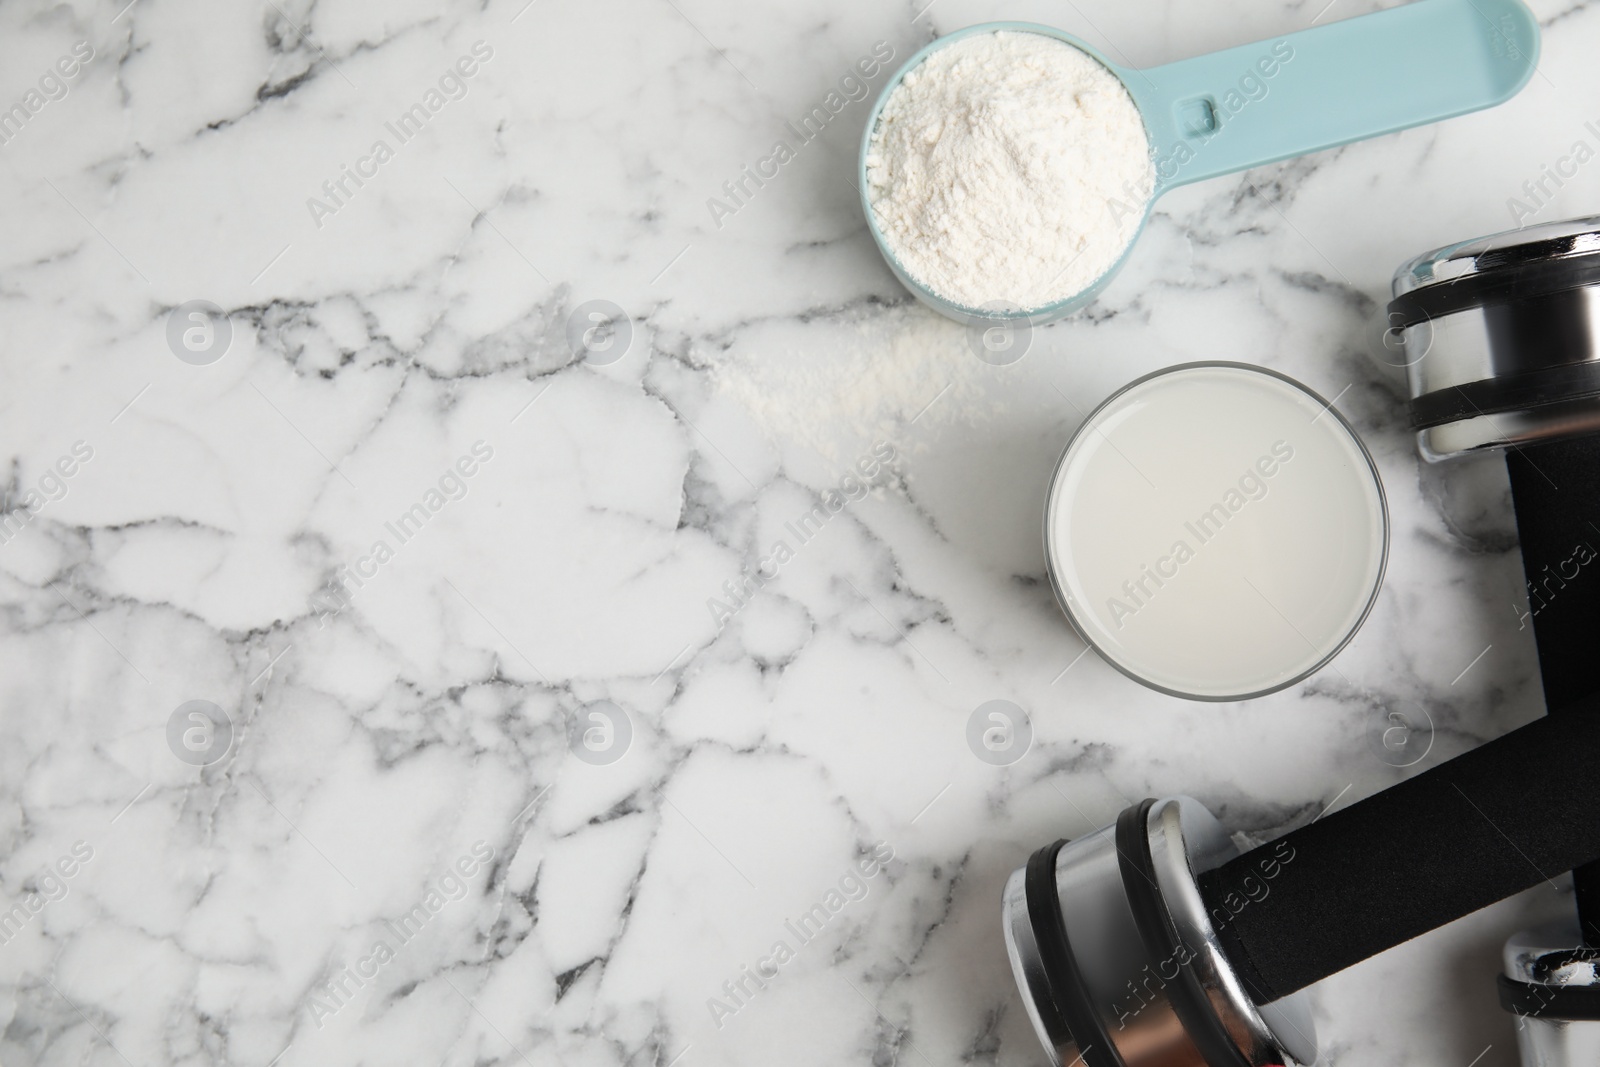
(399, 768)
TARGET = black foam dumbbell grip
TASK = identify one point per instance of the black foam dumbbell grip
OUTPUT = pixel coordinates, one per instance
(1520, 810)
(1555, 489)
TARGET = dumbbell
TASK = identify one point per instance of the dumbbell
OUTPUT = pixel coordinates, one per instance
(1154, 943)
(1501, 337)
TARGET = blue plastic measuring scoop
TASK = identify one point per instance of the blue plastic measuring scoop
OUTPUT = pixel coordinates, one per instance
(1259, 103)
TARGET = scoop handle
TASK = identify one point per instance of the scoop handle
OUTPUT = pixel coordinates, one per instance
(1330, 85)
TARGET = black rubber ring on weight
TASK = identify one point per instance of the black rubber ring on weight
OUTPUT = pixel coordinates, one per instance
(1516, 392)
(1160, 936)
(1495, 286)
(1548, 1001)
(1069, 994)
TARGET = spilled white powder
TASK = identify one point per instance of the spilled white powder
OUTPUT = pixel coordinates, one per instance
(843, 383)
(1009, 167)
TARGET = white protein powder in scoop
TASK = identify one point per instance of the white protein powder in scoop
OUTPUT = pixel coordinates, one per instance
(1009, 167)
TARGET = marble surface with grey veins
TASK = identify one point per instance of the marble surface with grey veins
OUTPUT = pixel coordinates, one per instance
(375, 681)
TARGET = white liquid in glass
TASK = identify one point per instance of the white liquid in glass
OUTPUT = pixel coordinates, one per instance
(1215, 532)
